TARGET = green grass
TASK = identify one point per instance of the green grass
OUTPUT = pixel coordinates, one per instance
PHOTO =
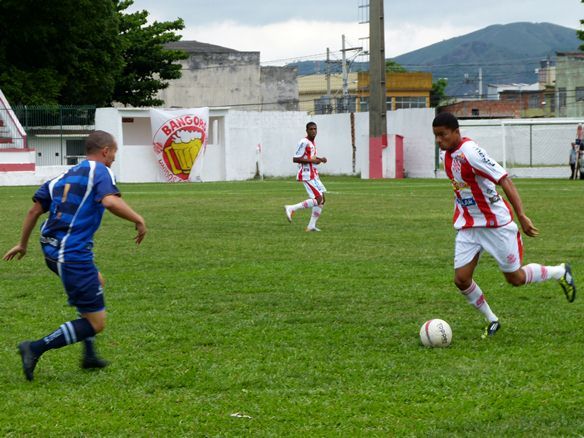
(227, 308)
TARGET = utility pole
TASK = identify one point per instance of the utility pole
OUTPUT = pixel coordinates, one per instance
(480, 83)
(328, 73)
(377, 90)
(345, 73)
(344, 69)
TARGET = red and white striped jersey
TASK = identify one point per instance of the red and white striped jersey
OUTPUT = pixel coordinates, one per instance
(474, 176)
(306, 149)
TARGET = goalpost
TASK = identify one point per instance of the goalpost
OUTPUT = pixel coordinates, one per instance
(526, 147)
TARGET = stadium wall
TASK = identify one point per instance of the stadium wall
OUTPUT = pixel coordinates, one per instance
(246, 144)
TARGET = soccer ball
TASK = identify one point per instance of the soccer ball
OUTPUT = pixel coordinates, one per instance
(436, 333)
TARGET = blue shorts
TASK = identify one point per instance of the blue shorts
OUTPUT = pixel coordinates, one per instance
(81, 282)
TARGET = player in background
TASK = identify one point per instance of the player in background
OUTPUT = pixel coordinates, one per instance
(75, 202)
(484, 221)
(307, 161)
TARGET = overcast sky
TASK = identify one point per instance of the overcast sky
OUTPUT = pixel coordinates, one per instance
(284, 31)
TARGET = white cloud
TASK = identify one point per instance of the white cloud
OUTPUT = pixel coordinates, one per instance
(283, 42)
(406, 37)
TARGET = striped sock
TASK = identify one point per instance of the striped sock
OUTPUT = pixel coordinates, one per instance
(475, 297)
(68, 333)
(535, 273)
(316, 211)
(304, 204)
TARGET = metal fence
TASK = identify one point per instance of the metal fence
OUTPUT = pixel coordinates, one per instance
(524, 142)
(42, 117)
(56, 133)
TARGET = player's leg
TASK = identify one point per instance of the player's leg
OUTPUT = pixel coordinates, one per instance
(319, 190)
(82, 285)
(466, 257)
(308, 203)
(507, 248)
(90, 358)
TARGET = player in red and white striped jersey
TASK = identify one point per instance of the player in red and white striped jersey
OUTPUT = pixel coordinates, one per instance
(307, 161)
(484, 220)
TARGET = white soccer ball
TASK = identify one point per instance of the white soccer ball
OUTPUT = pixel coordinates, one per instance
(436, 333)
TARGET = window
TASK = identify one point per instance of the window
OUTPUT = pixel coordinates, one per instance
(474, 112)
(363, 104)
(579, 94)
(534, 101)
(410, 102)
(562, 98)
(75, 151)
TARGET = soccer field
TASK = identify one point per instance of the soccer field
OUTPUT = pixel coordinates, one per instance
(229, 321)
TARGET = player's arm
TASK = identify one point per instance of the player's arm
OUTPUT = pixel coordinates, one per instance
(313, 160)
(28, 225)
(515, 200)
(118, 206)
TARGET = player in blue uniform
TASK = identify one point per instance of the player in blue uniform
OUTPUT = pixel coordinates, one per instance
(75, 202)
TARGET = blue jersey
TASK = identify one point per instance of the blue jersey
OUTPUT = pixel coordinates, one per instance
(73, 201)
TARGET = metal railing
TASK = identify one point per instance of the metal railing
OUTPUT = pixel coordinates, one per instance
(12, 134)
(45, 117)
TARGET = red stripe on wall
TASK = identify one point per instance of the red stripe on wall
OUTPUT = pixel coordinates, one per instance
(17, 167)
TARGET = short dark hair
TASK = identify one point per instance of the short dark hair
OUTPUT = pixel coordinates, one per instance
(98, 140)
(447, 120)
(310, 124)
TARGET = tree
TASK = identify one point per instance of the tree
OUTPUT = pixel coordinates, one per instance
(438, 93)
(84, 52)
(59, 51)
(392, 66)
(147, 64)
(581, 32)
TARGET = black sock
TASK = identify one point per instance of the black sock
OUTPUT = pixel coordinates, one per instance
(89, 344)
(68, 333)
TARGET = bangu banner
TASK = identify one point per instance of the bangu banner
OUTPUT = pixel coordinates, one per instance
(179, 138)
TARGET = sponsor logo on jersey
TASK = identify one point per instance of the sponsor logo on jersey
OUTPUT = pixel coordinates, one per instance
(484, 157)
(466, 202)
(459, 185)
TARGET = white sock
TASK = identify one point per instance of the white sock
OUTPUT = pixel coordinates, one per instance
(316, 211)
(475, 297)
(535, 273)
(304, 204)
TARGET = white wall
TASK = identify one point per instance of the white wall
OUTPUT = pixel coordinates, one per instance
(232, 151)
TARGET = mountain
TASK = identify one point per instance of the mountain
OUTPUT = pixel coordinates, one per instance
(508, 53)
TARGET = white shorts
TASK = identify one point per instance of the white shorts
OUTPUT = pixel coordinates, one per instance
(314, 187)
(503, 243)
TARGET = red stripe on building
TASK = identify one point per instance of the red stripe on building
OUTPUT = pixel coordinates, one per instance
(17, 167)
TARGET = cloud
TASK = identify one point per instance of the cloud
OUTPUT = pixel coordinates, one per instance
(284, 42)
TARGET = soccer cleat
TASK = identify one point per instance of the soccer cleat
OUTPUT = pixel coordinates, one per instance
(29, 360)
(92, 362)
(568, 284)
(310, 229)
(491, 329)
(289, 212)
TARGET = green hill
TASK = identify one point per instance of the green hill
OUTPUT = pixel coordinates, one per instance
(508, 53)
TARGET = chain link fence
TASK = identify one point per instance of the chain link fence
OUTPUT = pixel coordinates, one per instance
(524, 143)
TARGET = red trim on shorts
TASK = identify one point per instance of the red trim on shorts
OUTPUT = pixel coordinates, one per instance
(315, 192)
(520, 247)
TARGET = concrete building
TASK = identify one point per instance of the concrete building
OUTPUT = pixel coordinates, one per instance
(216, 76)
(569, 96)
(404, 90)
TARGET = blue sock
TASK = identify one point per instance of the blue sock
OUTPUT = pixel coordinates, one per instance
(68, 333)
